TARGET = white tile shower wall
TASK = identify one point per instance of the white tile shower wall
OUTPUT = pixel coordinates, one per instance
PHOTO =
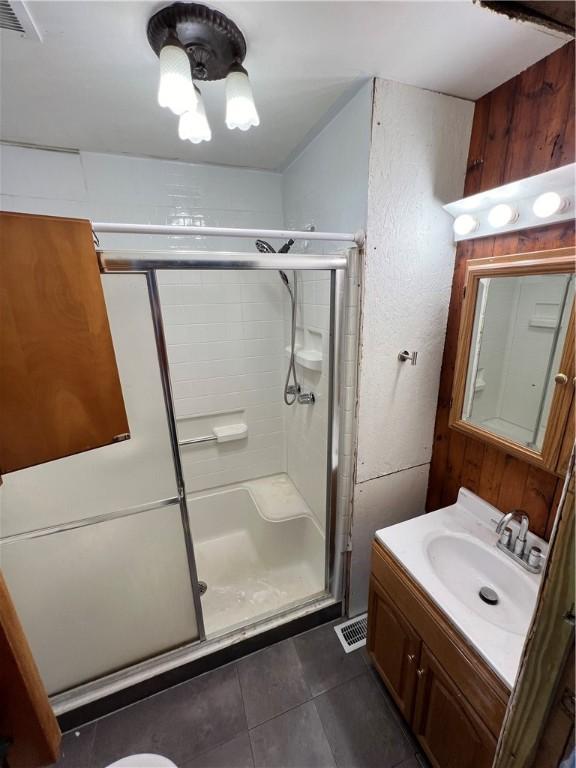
(417, 163)
(326, 186)
(226, 350)
(224, 329)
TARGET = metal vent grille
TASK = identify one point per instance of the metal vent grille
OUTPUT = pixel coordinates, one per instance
(352, 633)
(8, 19)
(15, 17)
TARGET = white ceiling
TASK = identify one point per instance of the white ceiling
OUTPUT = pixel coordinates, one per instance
(91, 83)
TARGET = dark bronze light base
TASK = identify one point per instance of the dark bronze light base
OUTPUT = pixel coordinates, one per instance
(212, 41)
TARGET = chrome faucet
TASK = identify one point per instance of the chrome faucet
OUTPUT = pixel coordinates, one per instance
(516, 548)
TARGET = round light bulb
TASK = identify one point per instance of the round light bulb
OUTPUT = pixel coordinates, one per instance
(465, 224)
(240, 109)
(176, 91)
(193, 125)
(548, 204)
(502, 215)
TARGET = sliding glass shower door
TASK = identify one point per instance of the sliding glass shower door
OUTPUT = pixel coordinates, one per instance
(253, 439)
(218, 514)
(92, 546)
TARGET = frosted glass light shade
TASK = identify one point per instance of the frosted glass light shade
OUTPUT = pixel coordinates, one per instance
(548, 204)
(240, 108)
(193, 125)
(502, 215)
(176, 91)
(465, 224)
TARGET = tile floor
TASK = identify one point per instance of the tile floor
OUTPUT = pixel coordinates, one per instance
(301, 703)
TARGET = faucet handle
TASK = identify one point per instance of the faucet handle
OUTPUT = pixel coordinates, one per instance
(506, 537)
(535, 557)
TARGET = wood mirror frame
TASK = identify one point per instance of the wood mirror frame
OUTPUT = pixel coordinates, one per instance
(561, 260)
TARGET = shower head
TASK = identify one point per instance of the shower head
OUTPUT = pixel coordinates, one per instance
(264, 247)
(286, 247)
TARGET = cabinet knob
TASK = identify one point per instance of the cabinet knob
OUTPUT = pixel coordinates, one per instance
(561, 378)
(411, 657)
(420, 672)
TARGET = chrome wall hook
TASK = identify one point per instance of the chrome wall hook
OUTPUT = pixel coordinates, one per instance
(405, 355)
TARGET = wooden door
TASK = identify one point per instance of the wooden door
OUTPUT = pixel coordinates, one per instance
(450, 732)
(59, 385)
(394, 648)
(26, 718)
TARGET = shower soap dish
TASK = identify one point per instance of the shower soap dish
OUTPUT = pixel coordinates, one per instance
(309, 358)
(230, 432)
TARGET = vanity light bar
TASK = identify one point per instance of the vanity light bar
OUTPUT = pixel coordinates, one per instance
(532, 202)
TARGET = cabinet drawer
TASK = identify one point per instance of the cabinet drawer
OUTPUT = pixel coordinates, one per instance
(480, 686)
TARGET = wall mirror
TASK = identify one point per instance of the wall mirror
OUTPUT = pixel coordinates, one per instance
(514, 378)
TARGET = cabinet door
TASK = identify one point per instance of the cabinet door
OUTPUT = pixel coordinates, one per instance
(450, 732)
(394, 648)
(59, 385)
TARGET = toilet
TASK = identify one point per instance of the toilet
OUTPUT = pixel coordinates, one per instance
(143, 761)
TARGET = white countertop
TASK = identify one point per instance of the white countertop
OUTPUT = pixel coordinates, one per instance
(497, 632)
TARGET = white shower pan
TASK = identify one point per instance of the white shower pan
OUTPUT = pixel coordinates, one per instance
(259, 550)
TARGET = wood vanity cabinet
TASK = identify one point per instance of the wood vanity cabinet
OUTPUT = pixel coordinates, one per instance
(453, 701)
(60, 391)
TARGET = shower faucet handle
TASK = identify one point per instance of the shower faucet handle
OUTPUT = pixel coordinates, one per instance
(306, 398)
(293, 389)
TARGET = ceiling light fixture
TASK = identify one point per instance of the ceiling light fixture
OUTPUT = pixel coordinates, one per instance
(502, 215)
(548, 204)
(194, 42)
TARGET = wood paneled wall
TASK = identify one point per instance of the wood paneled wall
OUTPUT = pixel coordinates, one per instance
(524, 127)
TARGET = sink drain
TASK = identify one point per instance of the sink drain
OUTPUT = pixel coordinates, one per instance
(202, 588)
(489, 595)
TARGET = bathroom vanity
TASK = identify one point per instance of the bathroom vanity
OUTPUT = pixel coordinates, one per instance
(448, 658)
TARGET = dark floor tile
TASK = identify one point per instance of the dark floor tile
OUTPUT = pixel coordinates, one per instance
(412, 762)
(179, 723)
(76, 748)
(272, 682)
(234, 754)
(360, 726)
(295, 739)
(324, 661)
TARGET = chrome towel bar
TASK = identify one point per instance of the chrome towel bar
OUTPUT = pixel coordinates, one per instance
(195, 440)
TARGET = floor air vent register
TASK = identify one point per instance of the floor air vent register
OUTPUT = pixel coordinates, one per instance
(352, 633)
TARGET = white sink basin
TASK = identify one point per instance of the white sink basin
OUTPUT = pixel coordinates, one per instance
(464, 565)
(452, 554)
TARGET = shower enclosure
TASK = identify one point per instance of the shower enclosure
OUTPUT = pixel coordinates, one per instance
(218, 518)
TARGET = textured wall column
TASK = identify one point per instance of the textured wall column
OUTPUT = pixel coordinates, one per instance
(417, 163)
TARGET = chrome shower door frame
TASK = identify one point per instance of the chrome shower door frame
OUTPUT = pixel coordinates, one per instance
(147, 263)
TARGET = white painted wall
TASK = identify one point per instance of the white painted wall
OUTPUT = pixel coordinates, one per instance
(417, 163)
(326, 186)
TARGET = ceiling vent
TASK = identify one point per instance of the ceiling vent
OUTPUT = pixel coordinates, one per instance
(15, 17)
